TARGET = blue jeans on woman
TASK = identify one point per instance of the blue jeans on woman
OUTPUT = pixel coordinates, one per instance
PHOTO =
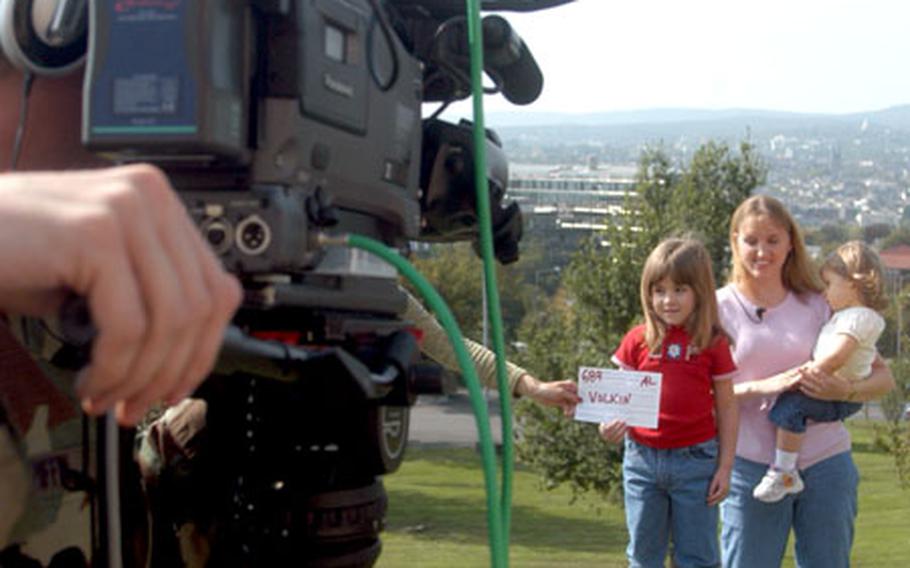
(754, 534)
(665, 495)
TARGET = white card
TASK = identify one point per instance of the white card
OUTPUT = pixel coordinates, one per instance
(610, 394)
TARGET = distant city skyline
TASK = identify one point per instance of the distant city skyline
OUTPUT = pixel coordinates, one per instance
(819, 56)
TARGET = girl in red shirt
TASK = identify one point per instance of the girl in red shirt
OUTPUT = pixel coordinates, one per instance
(675, 475)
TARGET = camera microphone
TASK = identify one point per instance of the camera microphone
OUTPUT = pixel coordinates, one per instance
(506, 59)
(760, 313)
(506, 55)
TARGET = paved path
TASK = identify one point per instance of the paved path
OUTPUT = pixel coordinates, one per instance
(449, 420)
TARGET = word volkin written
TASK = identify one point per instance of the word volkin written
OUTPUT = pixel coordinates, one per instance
(595, 397)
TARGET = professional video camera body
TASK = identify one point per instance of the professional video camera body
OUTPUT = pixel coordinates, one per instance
(279, 121)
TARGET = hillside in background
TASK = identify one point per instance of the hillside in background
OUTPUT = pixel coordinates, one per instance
(637, 127)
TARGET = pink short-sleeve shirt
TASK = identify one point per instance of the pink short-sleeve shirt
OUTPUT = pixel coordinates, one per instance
(781, 338)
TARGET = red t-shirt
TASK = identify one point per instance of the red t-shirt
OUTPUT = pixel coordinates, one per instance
(686, 415)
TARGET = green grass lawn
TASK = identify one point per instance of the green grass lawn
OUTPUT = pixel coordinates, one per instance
(437, 516)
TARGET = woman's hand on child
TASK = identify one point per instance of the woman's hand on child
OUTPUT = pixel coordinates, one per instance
(770, 387)
(720, 486)
(790, 380)
(824, 386)
(613, 431)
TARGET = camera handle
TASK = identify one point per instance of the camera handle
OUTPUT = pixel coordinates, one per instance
(242, 353)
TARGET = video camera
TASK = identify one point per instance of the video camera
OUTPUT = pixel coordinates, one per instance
(278, 121)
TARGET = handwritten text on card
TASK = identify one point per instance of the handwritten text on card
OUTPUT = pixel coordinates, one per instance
(609, 394)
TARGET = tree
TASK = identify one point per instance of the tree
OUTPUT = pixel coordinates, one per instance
(876, 231)
(894, 433)
(830, 236)
(715, 183)
(600, 299)
(899, 236)
(457, 274)
(564, 451)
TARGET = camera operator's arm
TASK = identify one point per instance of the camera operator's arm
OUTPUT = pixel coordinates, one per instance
(521, 383)
(120, 238)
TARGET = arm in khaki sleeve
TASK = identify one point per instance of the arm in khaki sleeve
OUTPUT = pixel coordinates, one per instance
(521, 383)
(436, 346)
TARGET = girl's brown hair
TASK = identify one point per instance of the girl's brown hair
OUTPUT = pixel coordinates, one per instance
(858, 263)
(684, 261)
(797, 273)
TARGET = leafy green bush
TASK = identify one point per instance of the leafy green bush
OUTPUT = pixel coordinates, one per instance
(894, 435)
(560, 449)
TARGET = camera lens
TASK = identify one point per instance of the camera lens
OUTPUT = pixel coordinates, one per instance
(253, 235)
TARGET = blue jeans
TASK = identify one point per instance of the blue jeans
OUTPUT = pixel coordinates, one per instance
(793, 408)
(665, 496)
(754, 534)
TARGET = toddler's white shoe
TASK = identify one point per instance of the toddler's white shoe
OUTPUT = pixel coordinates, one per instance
(776, 484)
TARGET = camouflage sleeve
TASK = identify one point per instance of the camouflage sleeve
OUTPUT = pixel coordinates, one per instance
(171, 440)
(13, 484)
(44, 427)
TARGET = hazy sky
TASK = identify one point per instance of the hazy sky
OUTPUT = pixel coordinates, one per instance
(832, 56)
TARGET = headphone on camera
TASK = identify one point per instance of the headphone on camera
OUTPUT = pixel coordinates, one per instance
(44, 37)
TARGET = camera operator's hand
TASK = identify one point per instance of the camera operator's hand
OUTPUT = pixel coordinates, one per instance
(120, 238)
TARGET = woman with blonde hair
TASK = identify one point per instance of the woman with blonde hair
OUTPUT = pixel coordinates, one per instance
(773, 310)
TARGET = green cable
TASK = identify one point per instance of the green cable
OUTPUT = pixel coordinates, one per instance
(498, 512)
(498, 544)
(475, 41)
